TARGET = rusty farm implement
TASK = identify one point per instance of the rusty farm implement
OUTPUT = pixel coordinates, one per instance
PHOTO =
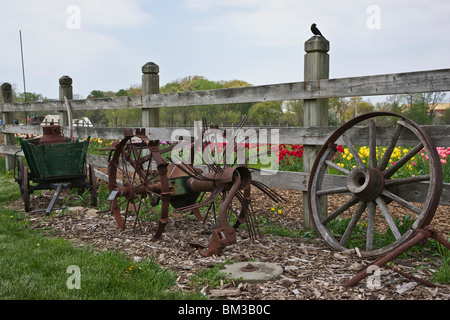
(144, 180)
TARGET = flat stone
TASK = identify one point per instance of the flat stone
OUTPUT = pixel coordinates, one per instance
(252, 272)
(92, 212)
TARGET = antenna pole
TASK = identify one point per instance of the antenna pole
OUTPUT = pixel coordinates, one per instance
(23, 74)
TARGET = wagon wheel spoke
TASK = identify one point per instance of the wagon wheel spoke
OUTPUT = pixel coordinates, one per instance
(402, 161)
(371, 211)
(390, 221)
(340, 210)
(353, 151)
(390, 148)
(338, 168)
(372, 144)
(332, 191)
(402, 201)
(396, 182)
(354, 220)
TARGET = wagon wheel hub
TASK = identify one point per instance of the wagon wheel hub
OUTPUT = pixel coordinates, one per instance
(365, 183)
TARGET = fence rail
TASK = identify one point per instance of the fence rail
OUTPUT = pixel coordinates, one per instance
(385, 84)
(314, 90)
(292, 135)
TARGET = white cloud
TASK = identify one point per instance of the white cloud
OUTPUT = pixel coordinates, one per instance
(52, 48)
(114, 13)
(259, 41)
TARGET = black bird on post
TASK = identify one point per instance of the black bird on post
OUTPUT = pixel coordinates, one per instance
(316, 31)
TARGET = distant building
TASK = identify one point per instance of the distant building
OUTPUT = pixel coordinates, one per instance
(440, 109)
(48, 119)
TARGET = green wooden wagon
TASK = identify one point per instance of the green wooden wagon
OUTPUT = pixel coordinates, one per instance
(54, 166)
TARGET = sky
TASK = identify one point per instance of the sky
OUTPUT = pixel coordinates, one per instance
(103, 44)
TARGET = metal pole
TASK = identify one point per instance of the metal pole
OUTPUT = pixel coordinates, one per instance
(23, 67)
(23, 75)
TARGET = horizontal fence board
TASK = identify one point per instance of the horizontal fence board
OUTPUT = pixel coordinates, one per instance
(292, 135)
(385, 84)
(85, 104)
(416, 192)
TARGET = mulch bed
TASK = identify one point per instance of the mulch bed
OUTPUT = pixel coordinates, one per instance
(311, 270)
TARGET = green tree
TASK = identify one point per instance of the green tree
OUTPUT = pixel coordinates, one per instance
(446, 116)
(339, 107)
(122, 93)
(30, 97)
(293, 115)
(96, 94)
(416, 108)
(265, 113)
(215, 114)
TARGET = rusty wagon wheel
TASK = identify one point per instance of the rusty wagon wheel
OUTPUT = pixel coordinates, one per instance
(138, 180)
(374, 187)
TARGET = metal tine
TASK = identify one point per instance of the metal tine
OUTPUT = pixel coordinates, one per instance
(214, 194)
(268, 191)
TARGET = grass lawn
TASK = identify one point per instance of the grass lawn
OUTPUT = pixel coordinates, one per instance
(38, 267)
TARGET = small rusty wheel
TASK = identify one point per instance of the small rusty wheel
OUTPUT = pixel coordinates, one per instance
(24, 184)
(374, 188)
(138, 181)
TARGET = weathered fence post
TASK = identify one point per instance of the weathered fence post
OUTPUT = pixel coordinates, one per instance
(65, 90)
(150, 84)
(315, 111)
(8, 118)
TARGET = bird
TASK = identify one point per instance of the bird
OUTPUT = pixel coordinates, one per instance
(316, 31)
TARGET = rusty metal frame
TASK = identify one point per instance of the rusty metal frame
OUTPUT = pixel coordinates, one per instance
(227, 182)
(420, 235)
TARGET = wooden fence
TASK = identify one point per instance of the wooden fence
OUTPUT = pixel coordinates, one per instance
(314, 90)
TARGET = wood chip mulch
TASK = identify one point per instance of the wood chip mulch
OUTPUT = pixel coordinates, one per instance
(311, 270)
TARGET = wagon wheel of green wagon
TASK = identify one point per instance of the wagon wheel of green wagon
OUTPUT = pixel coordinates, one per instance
(24, 184)
(373, 189)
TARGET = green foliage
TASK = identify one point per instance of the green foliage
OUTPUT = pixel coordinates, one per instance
(9, 189)
(210, 276)
(265, 113)
(30, 97)
(34, 266)
(338, 227)
(441, 260)
(228, 114)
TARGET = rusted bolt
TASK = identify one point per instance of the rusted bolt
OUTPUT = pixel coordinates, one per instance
(249, 268)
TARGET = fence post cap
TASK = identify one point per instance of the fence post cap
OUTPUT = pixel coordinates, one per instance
(6, 86)
(65, 81)
(317, 43)
(150, 67)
